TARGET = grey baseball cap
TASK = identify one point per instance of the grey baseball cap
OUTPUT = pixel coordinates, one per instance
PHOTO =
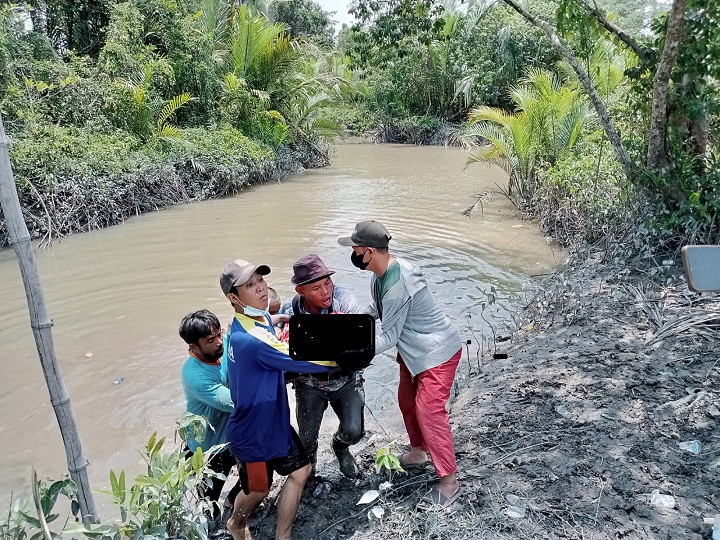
(368, 233)
(238, 272)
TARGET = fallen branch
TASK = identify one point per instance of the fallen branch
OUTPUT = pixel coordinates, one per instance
(691, 400)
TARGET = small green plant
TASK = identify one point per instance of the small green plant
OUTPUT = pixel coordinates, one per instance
(165, 502)
(29, 518)
(192, 426)
(386, 460)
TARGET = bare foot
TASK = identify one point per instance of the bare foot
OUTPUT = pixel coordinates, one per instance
(238, 533)
(448, 485)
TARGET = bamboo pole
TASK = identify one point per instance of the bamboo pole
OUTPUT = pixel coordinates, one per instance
(41, 326)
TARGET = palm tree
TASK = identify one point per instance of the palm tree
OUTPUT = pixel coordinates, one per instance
(605, 66)
(278, 84)
(546, 125)
(150, 116)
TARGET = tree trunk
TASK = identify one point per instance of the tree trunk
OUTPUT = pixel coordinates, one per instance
(37, 16)
(657, 156)
(629, 168)
(613, 29)
(700, 129)
(41, 325)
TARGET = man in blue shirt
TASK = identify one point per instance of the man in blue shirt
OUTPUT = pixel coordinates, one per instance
(204, 381)
(259, 431)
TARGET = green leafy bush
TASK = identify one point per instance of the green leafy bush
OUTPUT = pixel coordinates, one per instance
(166, 501)
(134, 127)
(28, 516)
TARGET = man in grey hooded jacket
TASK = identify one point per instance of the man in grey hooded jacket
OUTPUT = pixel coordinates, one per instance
(429, 350)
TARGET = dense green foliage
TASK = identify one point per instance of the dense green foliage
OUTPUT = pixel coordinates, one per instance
(152, 89)
(306, 20)
(179, 100)
(426, 63)
(438, 61)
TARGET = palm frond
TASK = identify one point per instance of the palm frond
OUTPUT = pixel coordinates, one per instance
(261, 95)
(500, 146)
(570, 126)
(170, 132)
(509, 51)
(214, 21)
(326, 127)
(524, 96)
(171, 106)
(464, 87)
(476, 10)
(489, 114)
(275, 115)
(467, 136)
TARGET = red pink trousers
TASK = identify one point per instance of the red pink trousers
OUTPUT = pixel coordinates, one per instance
(422, 402)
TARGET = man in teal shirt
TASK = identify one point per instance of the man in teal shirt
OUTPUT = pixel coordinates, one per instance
(204, 380)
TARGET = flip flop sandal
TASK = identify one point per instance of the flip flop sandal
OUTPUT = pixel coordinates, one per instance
(435, 500)
(413, 466)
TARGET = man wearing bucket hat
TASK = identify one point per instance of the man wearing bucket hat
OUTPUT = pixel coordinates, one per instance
(429, 350)
(258, 432)
(317, 294)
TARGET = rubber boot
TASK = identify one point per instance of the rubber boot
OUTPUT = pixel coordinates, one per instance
(348, 465)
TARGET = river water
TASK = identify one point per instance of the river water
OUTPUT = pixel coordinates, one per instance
(117, 295)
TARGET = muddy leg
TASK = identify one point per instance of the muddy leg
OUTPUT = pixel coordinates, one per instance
(245, 505)
(289, 500)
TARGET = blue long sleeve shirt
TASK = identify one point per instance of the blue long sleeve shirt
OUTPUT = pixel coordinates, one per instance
(259, 427)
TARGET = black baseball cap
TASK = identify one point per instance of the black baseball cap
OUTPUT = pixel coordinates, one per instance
(368, 233)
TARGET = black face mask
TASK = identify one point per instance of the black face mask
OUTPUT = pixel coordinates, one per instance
(357, 260)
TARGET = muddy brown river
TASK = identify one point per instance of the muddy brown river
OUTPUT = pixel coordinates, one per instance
(117, 295)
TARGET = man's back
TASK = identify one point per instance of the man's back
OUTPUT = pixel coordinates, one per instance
(206, 395)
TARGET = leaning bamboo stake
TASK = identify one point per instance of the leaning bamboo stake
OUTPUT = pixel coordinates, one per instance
(41, 326)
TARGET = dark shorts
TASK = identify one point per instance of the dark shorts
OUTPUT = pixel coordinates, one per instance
(258, 476)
